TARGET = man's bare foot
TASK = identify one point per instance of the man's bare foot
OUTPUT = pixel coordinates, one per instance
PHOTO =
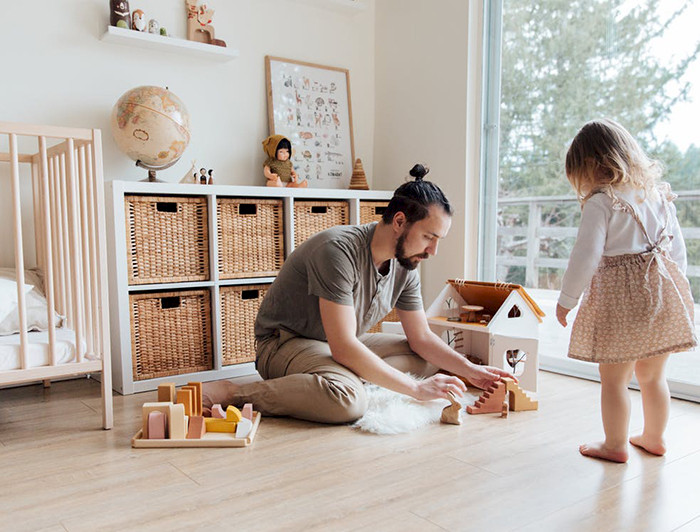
(653, 446)
(217, 392)
(598, 450)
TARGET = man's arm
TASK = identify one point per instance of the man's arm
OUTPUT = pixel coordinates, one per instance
(430, 346)
(339, 325)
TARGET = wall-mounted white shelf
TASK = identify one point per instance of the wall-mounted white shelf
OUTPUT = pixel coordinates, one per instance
(348, 7)
(140, 39)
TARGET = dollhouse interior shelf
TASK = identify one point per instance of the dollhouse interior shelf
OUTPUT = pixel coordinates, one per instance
(143, 40)
(348, 7)
(442, 321)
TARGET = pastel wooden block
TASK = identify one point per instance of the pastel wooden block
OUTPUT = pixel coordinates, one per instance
(184, 396)
(243, 427)
(218, 412)
(247, 411)
(166, 392)
(219, 425)
(146, 409)
(233, 414)
(197, 396)
(197, 428)
(177, 427)
(157, 425)
(193, 404)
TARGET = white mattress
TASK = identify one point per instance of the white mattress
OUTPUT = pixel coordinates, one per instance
(37, 349)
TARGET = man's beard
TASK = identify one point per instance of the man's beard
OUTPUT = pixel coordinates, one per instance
(401, 256)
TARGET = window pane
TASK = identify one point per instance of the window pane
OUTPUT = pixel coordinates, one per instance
(563, 64)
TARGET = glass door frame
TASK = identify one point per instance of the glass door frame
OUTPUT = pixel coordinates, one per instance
(488, 189)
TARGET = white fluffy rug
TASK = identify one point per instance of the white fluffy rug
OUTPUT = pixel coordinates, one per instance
(394, 413)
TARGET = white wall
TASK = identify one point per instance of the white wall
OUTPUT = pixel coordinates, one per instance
(422, 115)
(56, 70)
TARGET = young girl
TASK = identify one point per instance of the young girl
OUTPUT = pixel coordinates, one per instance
(630, 255)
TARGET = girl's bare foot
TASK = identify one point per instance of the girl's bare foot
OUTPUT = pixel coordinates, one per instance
(598, 450)
(653, 446)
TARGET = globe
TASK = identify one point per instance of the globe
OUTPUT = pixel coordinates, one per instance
(151, 125)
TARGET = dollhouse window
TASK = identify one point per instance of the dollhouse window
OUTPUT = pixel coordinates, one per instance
(514, 312)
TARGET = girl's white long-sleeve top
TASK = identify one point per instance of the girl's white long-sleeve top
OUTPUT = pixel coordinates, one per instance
(605, 231)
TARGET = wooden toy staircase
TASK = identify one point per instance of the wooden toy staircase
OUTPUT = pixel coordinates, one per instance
(504, 391)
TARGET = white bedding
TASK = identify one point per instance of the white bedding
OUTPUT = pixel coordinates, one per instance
(37, 349)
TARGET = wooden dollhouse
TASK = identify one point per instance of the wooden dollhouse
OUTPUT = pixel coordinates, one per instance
(499, 325)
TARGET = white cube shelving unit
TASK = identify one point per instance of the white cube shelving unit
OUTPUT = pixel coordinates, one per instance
(120, 289)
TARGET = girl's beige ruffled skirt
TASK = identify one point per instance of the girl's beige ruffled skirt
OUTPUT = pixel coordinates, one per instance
(637, 306)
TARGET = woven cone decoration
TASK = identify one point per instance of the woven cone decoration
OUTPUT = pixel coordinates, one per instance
(358, 181)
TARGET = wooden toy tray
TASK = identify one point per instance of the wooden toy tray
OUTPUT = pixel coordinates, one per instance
(211, 439)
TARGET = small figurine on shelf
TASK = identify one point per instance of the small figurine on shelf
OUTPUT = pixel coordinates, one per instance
(358, 181)
(119, 15)
(278, 168)
(187, 178)
(153, 26)
(202, 176)
(163, 31)
(138, 20)
(199, 26)
(211, 177)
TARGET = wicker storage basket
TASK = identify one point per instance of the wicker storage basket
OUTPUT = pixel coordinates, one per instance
(167, 239)
(239, 308)
(392, 316)
(250, 236)
(170, 333)
(371, 211)
(310, 217)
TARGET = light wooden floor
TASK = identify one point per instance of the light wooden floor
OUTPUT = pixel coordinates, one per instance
(60, 471)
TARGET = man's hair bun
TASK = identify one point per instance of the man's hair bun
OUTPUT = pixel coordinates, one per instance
(419, 171)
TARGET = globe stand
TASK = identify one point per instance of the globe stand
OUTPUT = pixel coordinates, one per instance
(152, 170)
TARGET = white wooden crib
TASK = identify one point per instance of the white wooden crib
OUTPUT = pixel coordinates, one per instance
(65, 216)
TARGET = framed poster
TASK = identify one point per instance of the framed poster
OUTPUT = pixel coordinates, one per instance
(310, 105)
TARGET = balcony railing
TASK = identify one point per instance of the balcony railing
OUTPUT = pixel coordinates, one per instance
(518, 235)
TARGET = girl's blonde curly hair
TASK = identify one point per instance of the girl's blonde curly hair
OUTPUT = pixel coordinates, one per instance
(603, 155)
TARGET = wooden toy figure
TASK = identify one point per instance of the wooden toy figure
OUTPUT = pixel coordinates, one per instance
(278, 168)
(153, 26)
(199, 26)
(119, 14)
(138, 20)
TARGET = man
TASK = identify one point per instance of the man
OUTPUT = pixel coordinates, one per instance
(312, 349)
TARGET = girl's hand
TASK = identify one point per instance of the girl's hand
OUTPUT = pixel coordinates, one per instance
(437, 386)
(561, 314)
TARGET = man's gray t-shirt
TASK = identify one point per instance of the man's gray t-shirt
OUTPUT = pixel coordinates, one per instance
(335, 264)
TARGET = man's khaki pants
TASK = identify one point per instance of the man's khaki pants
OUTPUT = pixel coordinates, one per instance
(303, 381)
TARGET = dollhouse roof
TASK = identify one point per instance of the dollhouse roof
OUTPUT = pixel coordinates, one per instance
(491, 296)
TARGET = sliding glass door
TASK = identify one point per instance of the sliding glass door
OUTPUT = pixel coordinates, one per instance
(552, 65)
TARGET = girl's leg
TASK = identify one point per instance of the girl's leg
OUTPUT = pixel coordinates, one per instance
(656, 401)
(615, 408)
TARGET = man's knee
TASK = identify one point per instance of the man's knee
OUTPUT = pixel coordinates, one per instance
(346, 403)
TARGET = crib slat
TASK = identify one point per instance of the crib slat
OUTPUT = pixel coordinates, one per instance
(68, 258)
(74, 249)
(36, 210)
(58, 233)
(48, 244)
(92, 246)
(19, 252)
(85, 281)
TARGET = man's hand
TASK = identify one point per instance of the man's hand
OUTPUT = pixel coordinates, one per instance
(484, 376)
(437, 386)
(561, 314)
